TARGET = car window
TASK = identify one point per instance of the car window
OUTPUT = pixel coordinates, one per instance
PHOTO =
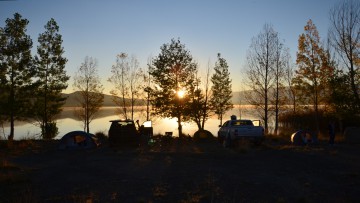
(241, 123)
(225, 124)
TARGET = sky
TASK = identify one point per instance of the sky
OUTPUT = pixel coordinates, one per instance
(102, 29)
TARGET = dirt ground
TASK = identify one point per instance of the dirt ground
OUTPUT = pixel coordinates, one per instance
(180, 171)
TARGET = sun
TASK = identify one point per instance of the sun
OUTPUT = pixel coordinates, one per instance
(181, 93)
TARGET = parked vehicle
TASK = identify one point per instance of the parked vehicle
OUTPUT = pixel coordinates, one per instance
(234, 129)
(125, 133)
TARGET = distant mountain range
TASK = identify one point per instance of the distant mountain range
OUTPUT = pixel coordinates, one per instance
(238, 98)
(71, 100)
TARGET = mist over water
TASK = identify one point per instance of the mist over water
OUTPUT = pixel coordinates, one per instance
(67, 122)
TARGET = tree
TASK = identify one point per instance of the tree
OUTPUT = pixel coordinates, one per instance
(88, 85)
(147, 89)
(126, 77)
(344, 34)
(221, 88)
(292, 91)
(51, 79)
(16, 69)
(261, 59)
(200, 109)
(173, 74)
(282, 58)
(313, 69)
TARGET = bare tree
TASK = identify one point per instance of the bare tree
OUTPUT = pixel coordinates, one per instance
(206, 111)
(147, 88)
(126, 77)
(200, 108)
(260, 71)
(344, 35)
(281, 60)
(291, 93)
(88, 85)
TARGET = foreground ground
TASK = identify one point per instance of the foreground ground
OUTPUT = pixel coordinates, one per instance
(180, 171)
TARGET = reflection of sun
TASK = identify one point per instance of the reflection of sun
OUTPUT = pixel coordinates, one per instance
(181, 93)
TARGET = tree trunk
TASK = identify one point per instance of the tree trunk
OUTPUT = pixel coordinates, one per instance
(179, 126)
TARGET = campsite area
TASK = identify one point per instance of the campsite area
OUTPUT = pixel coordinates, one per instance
(180, 171)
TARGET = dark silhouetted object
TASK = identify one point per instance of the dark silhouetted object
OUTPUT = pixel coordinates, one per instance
(78, 140)
(123, 133)
(303, 137)
(331, 129)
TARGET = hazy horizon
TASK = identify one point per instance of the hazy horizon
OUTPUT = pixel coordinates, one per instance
(104, 29)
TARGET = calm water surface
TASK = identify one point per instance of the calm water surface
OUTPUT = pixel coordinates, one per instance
(67, 122)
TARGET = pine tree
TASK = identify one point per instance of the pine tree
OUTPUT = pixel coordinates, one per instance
(16, 69)
(52, 79)
(221, 89)
(173, 75)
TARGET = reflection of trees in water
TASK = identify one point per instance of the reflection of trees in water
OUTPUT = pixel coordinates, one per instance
(67, 121)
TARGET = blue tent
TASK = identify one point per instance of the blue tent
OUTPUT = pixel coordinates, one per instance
(78, 140)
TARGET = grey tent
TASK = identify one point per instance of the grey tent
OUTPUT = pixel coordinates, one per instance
(303, 137)
(78, 140)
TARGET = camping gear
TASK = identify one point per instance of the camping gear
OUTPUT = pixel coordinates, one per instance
(78, 140)
(303, 137)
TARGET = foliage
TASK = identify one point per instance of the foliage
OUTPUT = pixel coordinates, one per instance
(16, 69)
(49, 130)
(344, 35)
(314, 69)
(51, 79)
(221, 90)
(87, 82)
(342, 99)
(173, 73)
(127, 80)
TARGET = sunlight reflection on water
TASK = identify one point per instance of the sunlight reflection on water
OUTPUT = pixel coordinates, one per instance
(67, 123)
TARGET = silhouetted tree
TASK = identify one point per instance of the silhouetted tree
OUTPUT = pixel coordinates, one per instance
(127, 79)
(173, 74)
(344, 34)
(261, 59)
(292, 92)
(147, 88)
(200, 108)
(313, 69)
(90, 97)
(16, 69)
(51, 79)
(221, 89)
(281, 60)
(2, 76)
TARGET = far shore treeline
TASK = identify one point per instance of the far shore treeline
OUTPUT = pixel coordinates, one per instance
(321, 85)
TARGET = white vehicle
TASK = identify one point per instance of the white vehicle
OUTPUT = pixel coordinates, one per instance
(235, 129)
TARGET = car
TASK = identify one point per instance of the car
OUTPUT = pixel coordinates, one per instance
(127, 133)
(123, 132)
(235, 129)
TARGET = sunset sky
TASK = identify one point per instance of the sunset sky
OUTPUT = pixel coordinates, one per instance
(103, 29)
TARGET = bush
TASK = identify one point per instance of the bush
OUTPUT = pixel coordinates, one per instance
(49, 130)
(203, 135)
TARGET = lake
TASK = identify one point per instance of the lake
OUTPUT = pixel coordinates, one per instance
(67, 122)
